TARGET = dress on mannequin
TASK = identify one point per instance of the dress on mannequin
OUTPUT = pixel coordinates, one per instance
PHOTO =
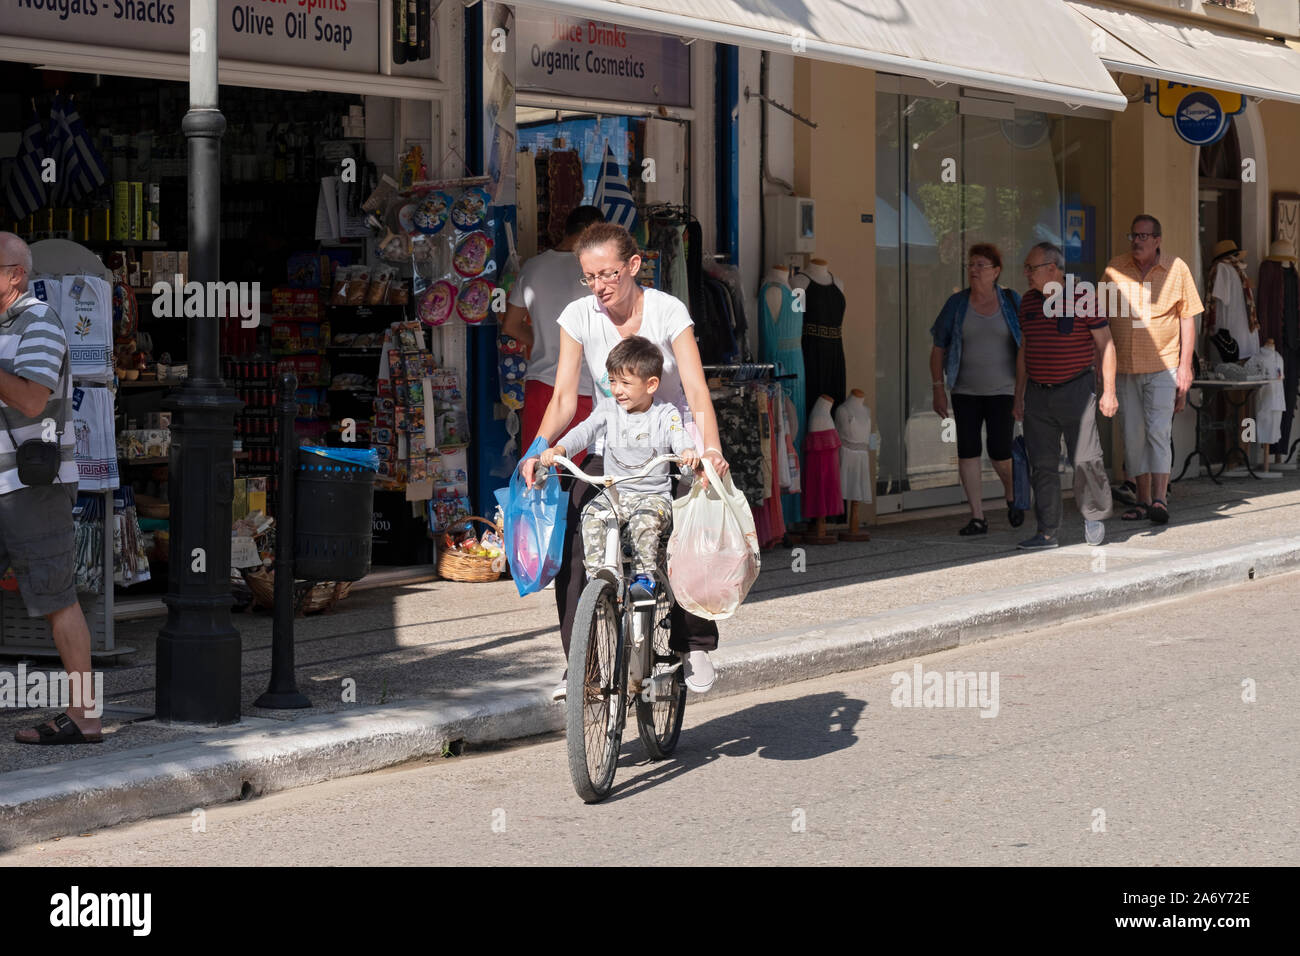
(853, 422)
(780, 341)
(1269, 402)
(822, 344)
(1279, 319)
(821, 464)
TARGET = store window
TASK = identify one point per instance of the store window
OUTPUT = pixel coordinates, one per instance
(290, 227)
(568, 151)
(944, 181)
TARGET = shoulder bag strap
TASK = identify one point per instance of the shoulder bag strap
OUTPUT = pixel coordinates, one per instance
(63, 416)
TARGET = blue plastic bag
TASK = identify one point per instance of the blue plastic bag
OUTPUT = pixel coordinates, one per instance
(1020, 472)
(534, 526)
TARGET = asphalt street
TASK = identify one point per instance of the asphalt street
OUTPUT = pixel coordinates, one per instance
(1166, 736)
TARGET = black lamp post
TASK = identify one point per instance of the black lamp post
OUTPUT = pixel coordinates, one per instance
(198, 670)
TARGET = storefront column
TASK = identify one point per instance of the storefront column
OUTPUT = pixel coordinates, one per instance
(198, 673)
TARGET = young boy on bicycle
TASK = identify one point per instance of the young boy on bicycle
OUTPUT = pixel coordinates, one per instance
(635, 429)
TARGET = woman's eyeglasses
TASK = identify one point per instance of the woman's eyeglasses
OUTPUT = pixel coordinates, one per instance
(606, 277)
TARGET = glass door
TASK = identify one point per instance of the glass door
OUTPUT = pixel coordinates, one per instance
(947, 180)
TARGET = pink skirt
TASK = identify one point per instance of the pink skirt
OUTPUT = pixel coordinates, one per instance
(821, 474)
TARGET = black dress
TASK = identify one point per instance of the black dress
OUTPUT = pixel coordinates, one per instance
(823, 347)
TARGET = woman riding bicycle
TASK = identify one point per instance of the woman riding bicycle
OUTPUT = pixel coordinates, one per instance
(590, 328)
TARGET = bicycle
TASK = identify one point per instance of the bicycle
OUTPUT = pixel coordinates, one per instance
(619, 657)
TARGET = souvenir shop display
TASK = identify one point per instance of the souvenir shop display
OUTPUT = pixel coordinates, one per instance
(857, 442)
(822, 496)
(443, 230)
(421, 427)
(1278, 309)
(85, 307)
(822, 338)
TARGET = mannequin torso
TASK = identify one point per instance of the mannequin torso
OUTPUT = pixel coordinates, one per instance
(819, 419)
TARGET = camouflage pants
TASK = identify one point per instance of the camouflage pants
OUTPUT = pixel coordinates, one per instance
(649, 517)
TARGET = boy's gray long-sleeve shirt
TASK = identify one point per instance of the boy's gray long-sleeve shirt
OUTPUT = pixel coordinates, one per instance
(632, 439)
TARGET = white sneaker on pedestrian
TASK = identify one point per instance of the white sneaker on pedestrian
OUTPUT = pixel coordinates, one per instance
(1094, 532)
(699, 671)
(561, 690)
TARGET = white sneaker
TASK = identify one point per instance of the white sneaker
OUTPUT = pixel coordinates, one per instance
(561, 690)
(1094, 532)
(698, 671)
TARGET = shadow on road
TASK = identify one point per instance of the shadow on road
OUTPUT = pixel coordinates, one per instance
(802, 729)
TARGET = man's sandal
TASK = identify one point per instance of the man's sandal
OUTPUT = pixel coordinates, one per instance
(1138, 512)
(64, 731)
(974, 526)
(1159, 512)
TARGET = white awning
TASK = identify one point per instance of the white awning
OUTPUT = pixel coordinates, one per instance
(1025, 47)
(1152, 46)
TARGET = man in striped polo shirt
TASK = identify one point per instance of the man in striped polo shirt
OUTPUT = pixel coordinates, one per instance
(36, 535)
(1056, 394)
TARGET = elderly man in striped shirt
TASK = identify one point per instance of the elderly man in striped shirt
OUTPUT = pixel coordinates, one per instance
(1056, 395)
(36, 535)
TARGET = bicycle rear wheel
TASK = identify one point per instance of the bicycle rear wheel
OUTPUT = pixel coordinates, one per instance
(659, 718)
(597, 686)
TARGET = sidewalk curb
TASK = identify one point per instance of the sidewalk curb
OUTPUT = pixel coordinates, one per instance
(261, 755)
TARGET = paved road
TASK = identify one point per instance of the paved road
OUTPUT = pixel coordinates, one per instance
(1125, 740)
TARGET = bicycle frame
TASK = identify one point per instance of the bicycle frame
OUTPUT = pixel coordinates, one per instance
(639, 664)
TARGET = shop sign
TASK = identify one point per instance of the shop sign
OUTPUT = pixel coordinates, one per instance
(593, 59)
(320, 34)
(1201, 115)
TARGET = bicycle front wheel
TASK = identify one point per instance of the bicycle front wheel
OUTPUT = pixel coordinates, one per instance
(597, 686)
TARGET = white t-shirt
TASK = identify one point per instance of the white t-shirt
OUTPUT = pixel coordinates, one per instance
(1232, 314)
(547, 283)
(663, 318)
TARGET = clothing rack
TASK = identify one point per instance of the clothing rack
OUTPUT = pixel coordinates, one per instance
(747, 372)
(668, 212)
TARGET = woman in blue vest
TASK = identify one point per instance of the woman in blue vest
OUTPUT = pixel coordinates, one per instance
(976, 338)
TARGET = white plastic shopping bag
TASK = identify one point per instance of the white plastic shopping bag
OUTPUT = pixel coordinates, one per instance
(713, 552)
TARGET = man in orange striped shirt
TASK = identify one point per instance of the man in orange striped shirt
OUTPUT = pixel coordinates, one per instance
(1152, 303)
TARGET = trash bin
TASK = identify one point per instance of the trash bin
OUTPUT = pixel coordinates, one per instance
(333, 504)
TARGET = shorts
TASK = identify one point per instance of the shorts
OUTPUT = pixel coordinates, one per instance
(995, 412)
(1146, 414)
(37, 539)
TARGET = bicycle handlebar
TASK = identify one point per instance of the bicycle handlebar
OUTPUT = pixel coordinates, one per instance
(609, 480)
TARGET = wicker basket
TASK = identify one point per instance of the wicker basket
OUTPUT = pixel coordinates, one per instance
(470, 568)
(320, 596)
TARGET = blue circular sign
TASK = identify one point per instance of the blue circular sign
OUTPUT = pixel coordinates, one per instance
(1199, 119)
